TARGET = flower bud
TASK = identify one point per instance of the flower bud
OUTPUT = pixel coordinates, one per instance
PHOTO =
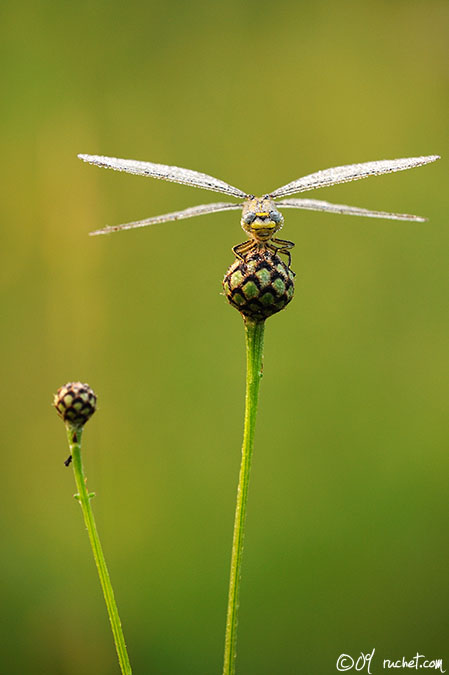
(75, 403)
(260, 285)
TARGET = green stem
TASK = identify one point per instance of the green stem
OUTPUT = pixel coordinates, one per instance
(254, 332)
(74, 436)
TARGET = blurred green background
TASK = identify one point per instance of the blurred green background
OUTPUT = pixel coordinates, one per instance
(347, 545)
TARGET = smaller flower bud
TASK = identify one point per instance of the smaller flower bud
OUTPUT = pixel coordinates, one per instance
(260, 285)
(75, 403)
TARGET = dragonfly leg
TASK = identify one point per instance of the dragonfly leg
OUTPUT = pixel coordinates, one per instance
(241, 250)
(282, 246)
(285, 243)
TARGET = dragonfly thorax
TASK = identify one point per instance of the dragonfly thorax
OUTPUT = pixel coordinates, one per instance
(261, 219)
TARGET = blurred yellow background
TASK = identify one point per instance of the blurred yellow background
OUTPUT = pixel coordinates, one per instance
(347, 545)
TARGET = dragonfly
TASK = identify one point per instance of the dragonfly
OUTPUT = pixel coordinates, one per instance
(261, 218)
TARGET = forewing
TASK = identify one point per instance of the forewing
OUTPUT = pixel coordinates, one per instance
(170, 173)
(317, 205)
(344, 174)
(200, 210)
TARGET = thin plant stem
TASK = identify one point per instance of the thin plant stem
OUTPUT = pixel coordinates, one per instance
(254, 334)
(83, 496)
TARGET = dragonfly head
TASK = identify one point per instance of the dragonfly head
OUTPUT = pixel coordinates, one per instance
(260, 218)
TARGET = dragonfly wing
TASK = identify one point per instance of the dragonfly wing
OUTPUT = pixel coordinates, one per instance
(171, 173)
(200, 210)
(317, 205)
(344, 174)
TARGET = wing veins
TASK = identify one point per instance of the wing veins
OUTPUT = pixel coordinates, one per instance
(350, 172)
(174, 174)
(200, 210)
(318, 205)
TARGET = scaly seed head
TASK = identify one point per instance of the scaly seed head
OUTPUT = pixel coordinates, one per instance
(260, 285)
(260, 218)
(75, 403)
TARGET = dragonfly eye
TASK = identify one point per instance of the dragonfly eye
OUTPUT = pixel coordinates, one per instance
(249, 218)
(275, 216)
